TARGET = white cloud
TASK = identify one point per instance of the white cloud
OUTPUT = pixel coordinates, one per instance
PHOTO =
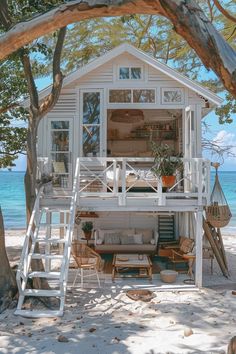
(223, 139)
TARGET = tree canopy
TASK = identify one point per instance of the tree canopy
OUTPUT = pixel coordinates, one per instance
(188, 19)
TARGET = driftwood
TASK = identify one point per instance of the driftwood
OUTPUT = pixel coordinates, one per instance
(140, 295)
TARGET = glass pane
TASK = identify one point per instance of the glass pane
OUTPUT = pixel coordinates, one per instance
(60, 140)
(91, 108)
(124, 73)
(120, 96)
(60, 163)
(135, 73)
(144, 96)
(60, 124)
(171, 96)
(91, 141)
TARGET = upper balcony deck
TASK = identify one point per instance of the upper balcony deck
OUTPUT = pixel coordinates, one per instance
(119, 184)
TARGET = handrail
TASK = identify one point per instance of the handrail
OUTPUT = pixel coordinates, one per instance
(69, 232)
(24, 262)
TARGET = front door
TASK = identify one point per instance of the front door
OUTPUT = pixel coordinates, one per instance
(60, 148)
(91, 123)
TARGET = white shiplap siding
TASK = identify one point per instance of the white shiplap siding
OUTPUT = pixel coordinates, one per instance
(66, 103)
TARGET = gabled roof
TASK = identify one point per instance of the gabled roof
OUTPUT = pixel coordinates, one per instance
(165, 69)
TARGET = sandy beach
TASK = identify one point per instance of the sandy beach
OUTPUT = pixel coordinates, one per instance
(104, 320)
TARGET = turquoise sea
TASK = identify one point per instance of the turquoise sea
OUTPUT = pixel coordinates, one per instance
(12, 197)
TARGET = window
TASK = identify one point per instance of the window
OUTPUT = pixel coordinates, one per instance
(120, 96)
(130, 73)
(91, 123)
(172, 95)
(144, 96)
(132, 96)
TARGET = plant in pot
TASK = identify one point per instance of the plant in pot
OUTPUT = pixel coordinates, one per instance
(87, 228)
(165, 164)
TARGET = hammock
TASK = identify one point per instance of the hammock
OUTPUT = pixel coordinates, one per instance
(218, 213)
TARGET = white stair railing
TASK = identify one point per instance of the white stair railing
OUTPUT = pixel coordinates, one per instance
(29, 252)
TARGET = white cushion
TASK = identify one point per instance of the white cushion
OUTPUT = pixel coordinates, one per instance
(147, 235)
(153, 242)
(101, 233)
(99, 241)
(138, 239)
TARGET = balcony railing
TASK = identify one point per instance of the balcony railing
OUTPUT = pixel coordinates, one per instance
(127, 178)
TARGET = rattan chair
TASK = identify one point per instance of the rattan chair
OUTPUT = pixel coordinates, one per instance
(86, 260)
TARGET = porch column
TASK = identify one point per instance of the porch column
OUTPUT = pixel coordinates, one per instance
(198, 240)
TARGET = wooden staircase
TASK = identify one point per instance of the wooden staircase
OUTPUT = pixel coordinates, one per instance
(48, 246)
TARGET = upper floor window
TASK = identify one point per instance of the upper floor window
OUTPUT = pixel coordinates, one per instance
(132, 96)
(130, 73)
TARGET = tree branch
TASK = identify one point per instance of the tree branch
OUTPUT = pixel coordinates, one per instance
(33, 93)
(49, 101)
(224, 12)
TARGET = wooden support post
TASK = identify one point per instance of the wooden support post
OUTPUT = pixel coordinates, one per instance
(199, 234)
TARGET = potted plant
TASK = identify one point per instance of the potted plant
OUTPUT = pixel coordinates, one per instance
(87, 228)
(165, 164)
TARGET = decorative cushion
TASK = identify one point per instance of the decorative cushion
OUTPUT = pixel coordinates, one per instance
(125, 232)
(187, 245)
(99, 241)
(147, 235)
(138, 239)
(153, 242)
(112, 238)
(127, 240)
(101, 233)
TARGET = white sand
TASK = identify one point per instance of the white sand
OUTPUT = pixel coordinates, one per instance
(106, 321)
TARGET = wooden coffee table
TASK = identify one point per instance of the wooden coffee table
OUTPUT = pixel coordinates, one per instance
(124, 262)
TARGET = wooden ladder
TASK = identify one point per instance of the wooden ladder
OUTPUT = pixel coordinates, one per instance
(215, 239)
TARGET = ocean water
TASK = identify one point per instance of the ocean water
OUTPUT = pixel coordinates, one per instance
(12, 197)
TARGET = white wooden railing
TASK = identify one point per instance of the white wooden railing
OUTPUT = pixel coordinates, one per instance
(32, 231)
(125, 178)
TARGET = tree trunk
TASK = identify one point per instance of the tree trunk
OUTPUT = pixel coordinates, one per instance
(30, 195)
(8, 288)
(187, 17)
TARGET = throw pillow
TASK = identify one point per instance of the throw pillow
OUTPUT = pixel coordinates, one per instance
(112, 238)
(99, 241)
(153, 242)
(187, 245)
(147, 235)
(138, 239)
(127, 240)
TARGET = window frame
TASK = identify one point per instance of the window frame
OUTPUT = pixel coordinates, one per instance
(130, 67)
(164, 89)
(132, 101)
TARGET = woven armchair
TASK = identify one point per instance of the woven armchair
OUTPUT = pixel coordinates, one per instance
(86, 259)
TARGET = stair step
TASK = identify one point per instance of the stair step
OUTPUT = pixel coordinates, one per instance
(45, 256)
(56, 210)
(53, 225)
(48, 275)
(38, 314)
(42, 292)
(51, 240)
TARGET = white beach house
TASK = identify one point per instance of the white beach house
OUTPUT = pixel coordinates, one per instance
(97, 144)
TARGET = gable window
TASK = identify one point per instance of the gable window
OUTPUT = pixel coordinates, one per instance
(132, 96)
(130, 73)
